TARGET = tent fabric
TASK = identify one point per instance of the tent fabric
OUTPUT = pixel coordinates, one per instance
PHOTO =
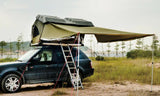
(51, 32)
(103, 34)
(66, 21)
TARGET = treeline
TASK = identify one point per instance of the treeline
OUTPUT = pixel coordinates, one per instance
(144, 51)
(14, 47)
(142, 54)
(138, 50)
(120, 49)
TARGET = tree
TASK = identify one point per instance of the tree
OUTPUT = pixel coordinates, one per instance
(10, 48)
(142, 44)
(146, 47)
(18, 44)
(139, 44)
(102, 49)
(117, 48)
(130, 45)
(155, 43)
(94, 52)
(158, 47)
(123, 46)
(108, 50)
(2, 44)
(91, 45)
(22, 43)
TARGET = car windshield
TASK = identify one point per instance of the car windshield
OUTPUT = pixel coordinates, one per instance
(28, 55)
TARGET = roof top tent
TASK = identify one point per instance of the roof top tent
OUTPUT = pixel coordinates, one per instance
(44, 30)
(52, 29)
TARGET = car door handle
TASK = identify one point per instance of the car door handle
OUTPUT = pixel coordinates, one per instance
(47, 65)
(31, 67)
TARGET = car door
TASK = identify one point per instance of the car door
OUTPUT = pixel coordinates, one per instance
(41, 67)
(51, 67)
(59, 59)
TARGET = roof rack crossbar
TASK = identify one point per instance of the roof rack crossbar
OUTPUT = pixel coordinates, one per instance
(75, 45)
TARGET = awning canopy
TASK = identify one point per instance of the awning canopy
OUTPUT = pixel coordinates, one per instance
(59, 32)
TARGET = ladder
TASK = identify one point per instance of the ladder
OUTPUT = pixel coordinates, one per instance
(71, 66)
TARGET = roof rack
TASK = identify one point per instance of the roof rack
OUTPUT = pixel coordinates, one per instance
(62, 44)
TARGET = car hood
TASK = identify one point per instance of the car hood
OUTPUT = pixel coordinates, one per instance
(11, 63)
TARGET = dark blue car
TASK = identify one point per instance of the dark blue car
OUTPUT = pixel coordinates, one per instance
(41, 65)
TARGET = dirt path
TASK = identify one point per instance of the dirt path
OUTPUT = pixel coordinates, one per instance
(91, 89)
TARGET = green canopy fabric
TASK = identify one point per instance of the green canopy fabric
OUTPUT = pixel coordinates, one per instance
(102, 34)
(51, 32)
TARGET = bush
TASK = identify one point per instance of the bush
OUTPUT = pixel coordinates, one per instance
(142, 54)
(99, 58)
(157, 53)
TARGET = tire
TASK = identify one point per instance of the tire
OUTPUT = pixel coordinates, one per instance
(80, 74)
(10, 83)
(59, 84)
(69, 84)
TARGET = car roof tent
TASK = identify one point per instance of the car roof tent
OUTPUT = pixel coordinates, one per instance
(52, 29)
(44, 31)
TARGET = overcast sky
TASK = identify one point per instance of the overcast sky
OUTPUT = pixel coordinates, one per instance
(142, 16)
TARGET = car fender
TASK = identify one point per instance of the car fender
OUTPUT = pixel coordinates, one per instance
(14, 71)
(81, 69)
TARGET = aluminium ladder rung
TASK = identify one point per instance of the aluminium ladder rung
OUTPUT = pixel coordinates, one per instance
(66, 50)
(75, 79)
(74, 74)
(70, 62)
(78, 86)
(68, 56)
(72, 68)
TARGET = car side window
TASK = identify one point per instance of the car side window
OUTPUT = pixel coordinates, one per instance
(81, 56)
(46, 56)
(59, 56)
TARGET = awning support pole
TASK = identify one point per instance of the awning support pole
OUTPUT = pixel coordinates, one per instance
(78, 62)
(152, 61)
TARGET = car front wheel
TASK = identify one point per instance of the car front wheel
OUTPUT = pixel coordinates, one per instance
(11, 83)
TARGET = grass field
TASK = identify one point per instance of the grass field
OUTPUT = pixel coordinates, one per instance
(120, 69)
(7, 60)
(123, 69)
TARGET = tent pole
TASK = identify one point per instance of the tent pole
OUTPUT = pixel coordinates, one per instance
(78, 62)
(152, 62)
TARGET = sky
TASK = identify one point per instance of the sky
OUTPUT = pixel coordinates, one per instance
(140, 16)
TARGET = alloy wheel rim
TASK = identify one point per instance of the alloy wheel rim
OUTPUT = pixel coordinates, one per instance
(12, 84)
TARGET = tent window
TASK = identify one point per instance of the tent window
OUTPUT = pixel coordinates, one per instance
(35, 31)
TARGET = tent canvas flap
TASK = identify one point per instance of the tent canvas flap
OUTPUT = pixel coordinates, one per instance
(104, 34)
